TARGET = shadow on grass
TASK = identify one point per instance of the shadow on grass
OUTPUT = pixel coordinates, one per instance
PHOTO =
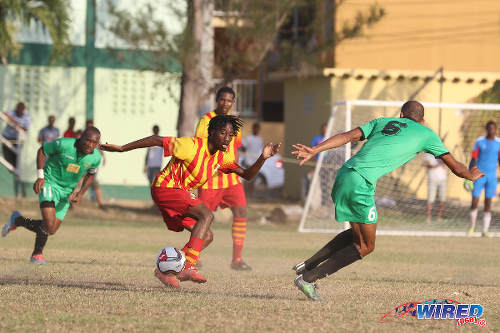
(117, 286)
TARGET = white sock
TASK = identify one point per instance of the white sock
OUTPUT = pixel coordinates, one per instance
(486, 221)
(473, 218)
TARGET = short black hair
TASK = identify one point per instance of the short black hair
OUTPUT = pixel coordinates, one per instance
(156, 129)
(91, 129)
(219, 122)
(413, 110)
(489, 123)
(223, 90)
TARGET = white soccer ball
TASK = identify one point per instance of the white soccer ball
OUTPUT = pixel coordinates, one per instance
(170, 260)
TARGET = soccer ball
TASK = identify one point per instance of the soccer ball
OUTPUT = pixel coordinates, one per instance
(170, 260)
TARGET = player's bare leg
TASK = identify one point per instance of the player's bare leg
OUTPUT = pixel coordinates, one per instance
(486, 217)
(440, 211)
(473, 215)
(199, 233)
(429, 212)
(239, 229)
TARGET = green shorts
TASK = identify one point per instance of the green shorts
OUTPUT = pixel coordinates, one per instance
(353, 196)
(54, 193)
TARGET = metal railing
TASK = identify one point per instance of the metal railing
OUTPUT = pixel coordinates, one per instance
(14, 146)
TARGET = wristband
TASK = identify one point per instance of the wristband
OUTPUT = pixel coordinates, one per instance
(40, 173)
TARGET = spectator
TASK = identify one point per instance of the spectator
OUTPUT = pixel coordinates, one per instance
(307, 178)
(49, 133)
(316, 140)
(20, 118)
(436, 183)
(154, 158)
(252, 146)
(70, 132)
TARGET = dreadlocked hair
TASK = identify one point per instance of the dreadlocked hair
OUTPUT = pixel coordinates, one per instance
(219, 122)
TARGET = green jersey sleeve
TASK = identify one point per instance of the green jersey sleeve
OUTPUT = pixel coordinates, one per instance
(51, 148)
(93, 168)
(434, 145)
(367, 129)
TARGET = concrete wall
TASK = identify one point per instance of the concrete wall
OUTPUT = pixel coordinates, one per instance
(424, 35)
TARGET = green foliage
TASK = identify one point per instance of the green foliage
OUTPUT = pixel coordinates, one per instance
(255, 33)
(53, 16)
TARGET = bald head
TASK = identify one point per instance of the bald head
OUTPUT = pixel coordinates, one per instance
(413, 110)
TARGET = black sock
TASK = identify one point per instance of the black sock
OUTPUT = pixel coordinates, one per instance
(40, 241)
(340, 241)
(32, 225)
(338, 260)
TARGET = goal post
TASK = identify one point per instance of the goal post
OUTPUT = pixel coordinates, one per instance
(402, 195)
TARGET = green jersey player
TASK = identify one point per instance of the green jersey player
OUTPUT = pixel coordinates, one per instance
(61, 164)
(391, 143)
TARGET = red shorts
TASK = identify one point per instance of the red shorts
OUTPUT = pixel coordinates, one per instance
(173, 204)
(233, 196)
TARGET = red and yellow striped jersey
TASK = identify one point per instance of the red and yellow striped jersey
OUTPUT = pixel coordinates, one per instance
(191, 165)
(220, 180)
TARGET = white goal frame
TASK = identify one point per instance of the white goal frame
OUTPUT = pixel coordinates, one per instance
(348, 104)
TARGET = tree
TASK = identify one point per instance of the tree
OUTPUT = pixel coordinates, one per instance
(259, 35)
(52, 14)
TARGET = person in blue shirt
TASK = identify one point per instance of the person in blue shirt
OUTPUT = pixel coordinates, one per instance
(319, 138)
(486, 156)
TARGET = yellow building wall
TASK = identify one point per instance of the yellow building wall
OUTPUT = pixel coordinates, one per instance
(425, 35)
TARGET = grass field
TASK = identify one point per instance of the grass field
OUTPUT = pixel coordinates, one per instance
(99, 278)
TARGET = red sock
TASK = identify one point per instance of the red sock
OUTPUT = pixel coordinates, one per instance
(192, 250)
(239, 232)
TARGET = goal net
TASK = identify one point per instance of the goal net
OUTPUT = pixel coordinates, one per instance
(401, 196)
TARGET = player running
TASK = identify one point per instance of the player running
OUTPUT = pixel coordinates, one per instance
(391, 143)
(194, 161)
(226, 190)
(486, 155)
(61, 164)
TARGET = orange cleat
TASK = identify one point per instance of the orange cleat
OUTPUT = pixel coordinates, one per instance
(191, 274)
(167, 279)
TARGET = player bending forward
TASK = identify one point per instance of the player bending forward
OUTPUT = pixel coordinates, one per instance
(391, 143)
(68, 161)
(194, 161)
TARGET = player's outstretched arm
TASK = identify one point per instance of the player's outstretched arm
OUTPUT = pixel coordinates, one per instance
(75, 197)
(150, 141)
(249, 173)
(40, 162)
(461, 170)
(306, 153)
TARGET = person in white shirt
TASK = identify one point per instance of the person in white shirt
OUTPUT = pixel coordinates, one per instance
(20, 118)
(252, 146)
(154, 159)
(436, 183)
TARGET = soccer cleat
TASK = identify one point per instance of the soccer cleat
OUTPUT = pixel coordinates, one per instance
(168, 280)
(299, 268)
(240, 265)
(470, 233)
(37, 259)
(309, 289)
(191, 274)
(10, 226)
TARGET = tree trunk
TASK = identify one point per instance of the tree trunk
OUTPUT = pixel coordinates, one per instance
(191, 78)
